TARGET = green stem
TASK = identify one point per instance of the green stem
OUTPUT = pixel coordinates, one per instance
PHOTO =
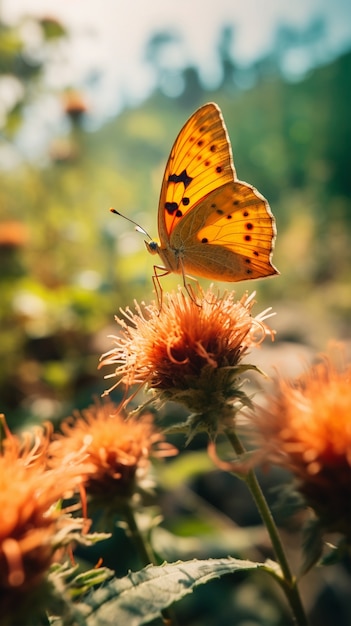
(143, 547)
(289, 583)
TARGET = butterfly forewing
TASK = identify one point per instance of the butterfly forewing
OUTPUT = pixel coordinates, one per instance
(200, 162)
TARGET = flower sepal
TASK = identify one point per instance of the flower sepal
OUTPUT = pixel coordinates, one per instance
(76, 582)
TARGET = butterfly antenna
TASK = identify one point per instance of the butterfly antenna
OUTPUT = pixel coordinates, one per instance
(137, 227)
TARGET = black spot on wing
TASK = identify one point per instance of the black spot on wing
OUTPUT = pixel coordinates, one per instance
(183, 177)
(171, 207)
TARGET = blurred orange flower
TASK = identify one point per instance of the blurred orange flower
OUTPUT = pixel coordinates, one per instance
(13, 234)
(31, 528)
(306, 427)
(74, 104)
(116, 450)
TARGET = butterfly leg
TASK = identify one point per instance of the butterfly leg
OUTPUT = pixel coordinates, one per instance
(159, 272)
(189, 288)
(191, 291)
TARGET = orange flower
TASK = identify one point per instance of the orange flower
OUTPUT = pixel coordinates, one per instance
(74, 105)
(307, 429)
(13, 234)
(29, 523)
(188, 353)
(116, 450)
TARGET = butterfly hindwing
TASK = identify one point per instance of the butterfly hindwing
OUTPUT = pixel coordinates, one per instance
(228, 235)
(200, 162)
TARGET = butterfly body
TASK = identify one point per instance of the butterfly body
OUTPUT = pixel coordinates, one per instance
(211, 224)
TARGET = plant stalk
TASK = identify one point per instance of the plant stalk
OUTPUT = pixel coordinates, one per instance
(289, 582)
(142, 546)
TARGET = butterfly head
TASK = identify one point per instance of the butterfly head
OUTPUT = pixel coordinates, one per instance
(152, 246)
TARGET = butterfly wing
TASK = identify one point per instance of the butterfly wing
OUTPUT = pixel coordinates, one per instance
(200, 162)
(229, 235)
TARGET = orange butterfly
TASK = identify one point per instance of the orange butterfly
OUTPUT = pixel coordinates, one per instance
(210, 224)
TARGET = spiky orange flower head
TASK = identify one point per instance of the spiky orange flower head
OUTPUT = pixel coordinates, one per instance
(188, 353)
(117, 450)
(307, 429)
(30, 525)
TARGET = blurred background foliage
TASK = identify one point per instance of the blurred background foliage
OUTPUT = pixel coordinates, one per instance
(67, 264)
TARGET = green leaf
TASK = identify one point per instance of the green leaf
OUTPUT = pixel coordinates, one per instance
(312, 545)
(141, 596)
(289, 502)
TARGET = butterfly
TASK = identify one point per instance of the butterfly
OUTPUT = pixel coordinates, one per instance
(210, 224)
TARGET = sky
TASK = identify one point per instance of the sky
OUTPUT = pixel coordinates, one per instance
(108, 38)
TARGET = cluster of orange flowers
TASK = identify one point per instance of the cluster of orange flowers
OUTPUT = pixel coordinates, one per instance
(190, 354)
(193, 354)
(97, 452)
